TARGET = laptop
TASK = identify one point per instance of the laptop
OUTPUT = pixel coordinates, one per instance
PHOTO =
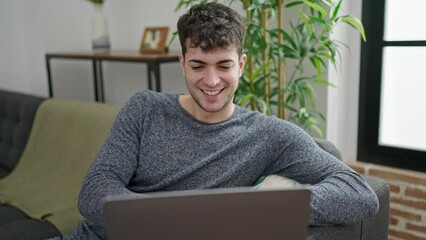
(232, 213)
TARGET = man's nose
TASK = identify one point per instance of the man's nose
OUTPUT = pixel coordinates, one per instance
(212, 78)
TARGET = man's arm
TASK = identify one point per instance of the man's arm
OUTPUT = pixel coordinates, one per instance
(114, 165)
(339, 194)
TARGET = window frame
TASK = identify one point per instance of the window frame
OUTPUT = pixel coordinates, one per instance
(369, 150)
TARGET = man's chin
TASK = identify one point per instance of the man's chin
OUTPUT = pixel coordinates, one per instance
(216, 107)
(211, 109)
(212, 106)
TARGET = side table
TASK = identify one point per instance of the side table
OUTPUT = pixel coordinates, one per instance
(152, 61)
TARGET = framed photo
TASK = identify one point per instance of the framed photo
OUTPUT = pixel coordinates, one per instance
(154, 40)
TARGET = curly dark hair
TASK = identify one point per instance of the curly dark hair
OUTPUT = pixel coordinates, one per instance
(211, 26)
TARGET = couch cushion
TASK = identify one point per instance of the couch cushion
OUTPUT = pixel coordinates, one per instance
(17, 113)
(3, 172)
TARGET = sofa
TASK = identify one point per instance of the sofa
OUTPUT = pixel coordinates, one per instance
(47, 146)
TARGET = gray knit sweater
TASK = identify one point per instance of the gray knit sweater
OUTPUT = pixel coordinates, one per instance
(155, 145)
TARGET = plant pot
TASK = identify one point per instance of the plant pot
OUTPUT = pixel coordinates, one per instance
(100, 35)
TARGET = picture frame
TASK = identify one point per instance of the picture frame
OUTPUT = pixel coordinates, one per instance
(154, 40)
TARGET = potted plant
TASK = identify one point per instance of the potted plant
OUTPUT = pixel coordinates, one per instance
(275, 80)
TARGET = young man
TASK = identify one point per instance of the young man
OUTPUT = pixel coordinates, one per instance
(167, 142)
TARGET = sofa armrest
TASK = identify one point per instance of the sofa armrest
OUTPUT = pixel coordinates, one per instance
(17, 112)
(376, 227)
(372, 228)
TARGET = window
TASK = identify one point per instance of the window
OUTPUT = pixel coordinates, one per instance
(392, 103)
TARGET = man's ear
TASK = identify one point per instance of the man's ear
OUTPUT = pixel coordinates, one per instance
(242, 63)
(182, 63)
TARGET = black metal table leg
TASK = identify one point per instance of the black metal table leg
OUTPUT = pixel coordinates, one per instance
(49, 77)
(148, 73)
(156, 71)
(98, 80)
(101, 82)
(154, 68)
(95, 80)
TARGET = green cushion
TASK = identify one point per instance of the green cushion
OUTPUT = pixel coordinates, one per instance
(65, 138)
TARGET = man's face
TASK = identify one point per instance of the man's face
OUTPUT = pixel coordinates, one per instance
(212, 77)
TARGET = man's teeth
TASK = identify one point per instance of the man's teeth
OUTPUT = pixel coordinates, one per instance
(211, 93)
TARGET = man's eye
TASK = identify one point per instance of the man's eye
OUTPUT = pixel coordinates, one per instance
(224, 67)
(197, 67)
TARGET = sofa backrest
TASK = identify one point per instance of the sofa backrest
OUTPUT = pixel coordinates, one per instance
(17, 112)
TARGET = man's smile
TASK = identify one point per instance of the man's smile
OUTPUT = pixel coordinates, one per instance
(212, 92)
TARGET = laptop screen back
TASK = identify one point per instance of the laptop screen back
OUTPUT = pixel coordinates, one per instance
(235, 213)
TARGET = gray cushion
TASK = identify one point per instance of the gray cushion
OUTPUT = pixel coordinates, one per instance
(9, 214)
(29, 229)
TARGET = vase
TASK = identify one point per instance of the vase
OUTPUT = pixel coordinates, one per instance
(100, 36)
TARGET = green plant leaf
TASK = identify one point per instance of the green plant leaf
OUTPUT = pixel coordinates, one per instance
(316, 7)
(289, 52)
(96, 1)
(316, 62)
(245, 100)
(318, 20)
(287, 37)
(264, 107)
(323, 63)
(355, 23)
(309, 93)
(256, 4)
(260, 70)
(179, 5)
(281, 104)
(304, 78)
(174, 35)
(315, 130)
(292, 4)
(325, 82)
(336, 11)
(328, 3)
(306, 22)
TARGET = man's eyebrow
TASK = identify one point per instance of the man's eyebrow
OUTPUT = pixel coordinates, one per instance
(197, 61)
(219, 62)
(225, 61)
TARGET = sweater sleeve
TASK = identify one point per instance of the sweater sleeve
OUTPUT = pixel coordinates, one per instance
(339, 194)
(114, 165)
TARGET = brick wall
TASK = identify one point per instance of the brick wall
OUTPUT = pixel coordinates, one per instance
(408, 199)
